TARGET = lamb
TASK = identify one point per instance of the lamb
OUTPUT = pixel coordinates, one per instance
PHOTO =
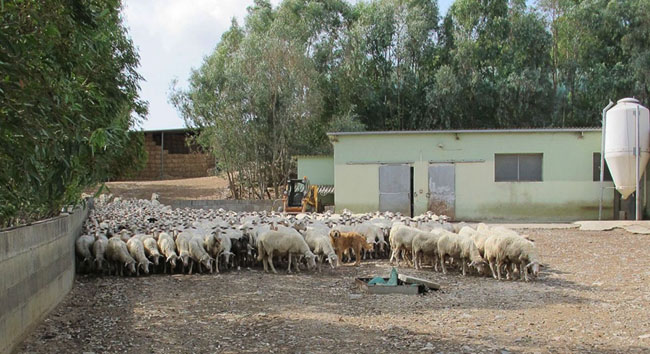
(99, 252)
(136, 249)
(342, 241)
(167, 247)
(461, 248)
(83, 244)
(425, 244)
(118, 253)
(319, 243)
(275, 243)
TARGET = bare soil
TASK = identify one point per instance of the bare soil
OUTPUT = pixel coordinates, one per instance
(173, 189)
(593, 295)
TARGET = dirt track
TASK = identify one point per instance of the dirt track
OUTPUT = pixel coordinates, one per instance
(593, 296)
(173, 189)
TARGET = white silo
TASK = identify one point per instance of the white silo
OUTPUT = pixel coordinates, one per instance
(622, 134)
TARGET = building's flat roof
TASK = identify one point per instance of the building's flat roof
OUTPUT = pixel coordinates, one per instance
(471, 131)
(171, 130)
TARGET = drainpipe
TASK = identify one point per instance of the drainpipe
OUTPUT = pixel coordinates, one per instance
(162, 150)
(602, 161)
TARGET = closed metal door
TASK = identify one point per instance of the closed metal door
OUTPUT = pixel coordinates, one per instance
(442, 189)
(395, 188)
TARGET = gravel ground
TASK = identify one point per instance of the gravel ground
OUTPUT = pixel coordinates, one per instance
(593, 295)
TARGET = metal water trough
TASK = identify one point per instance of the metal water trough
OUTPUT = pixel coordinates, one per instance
(405, 285)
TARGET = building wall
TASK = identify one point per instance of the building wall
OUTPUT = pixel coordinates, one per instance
(567, 191)
(37, 263)
(318, 169)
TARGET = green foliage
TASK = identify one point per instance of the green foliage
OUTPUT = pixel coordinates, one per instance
(68, 90)
(275, 86)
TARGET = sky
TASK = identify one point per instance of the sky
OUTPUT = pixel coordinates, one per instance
(172, 37)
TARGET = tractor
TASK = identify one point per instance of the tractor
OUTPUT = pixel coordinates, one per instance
(300, 197)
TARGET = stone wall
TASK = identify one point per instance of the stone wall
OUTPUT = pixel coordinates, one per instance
(178, 160)
(37, 267)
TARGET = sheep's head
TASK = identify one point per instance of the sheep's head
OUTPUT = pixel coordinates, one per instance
(533, 267)
(172, 260)
(207, 262)
(130, 266)
(332, 259)
(481, 266)
(155, 259)
(368, 246)
(311, 260)
(145, 266)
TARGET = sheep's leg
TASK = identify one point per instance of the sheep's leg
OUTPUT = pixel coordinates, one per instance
(270, 260)
(442, 264)
(191, 265)
(265, 262)
(522, 268)
(464, 263)
(499, 265)
(289, 267)
(393, 256)
(339, 258)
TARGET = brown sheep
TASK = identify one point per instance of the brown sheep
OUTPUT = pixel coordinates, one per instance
(345, 240)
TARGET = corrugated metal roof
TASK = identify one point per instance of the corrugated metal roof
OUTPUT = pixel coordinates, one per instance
(470, 131)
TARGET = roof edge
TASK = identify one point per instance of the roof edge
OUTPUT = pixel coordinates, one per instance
(468, 131)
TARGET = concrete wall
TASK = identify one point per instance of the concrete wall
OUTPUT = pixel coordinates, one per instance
(567, 190)
(37, 267)
(318, 169)
(233, 205)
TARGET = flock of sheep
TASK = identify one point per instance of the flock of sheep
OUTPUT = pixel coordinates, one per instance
(143, 236)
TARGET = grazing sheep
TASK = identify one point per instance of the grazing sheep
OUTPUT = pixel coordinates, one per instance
(425, 244)
(504, 250)
(401, 240)
(479, 237)
(83, 244)
(278, 243)
(151, 249)
(199, 255)
(461, 248)
(99, 252)
(183, 247)
(343, 241)
(319, 243)
(167, 247)
(136, 249)
(118, 253)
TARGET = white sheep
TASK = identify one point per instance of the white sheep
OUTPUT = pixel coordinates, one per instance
(99, 252)
(318, 240)
(83, 244)
(278, 243)
(168, 249)
(425, 244)
(401, 240)
(198, 254)
(136, 249)
(460, 248)
(183, 247)
(503, 250)
(118, 253)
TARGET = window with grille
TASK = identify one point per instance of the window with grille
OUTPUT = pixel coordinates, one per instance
(517, 167)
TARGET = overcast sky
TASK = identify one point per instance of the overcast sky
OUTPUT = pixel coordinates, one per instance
(172, 37)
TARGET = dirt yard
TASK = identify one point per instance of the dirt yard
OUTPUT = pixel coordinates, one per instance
(188, 188)
(592, 296)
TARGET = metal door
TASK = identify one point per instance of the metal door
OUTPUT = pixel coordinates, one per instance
(395, 188)
(442, 189)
